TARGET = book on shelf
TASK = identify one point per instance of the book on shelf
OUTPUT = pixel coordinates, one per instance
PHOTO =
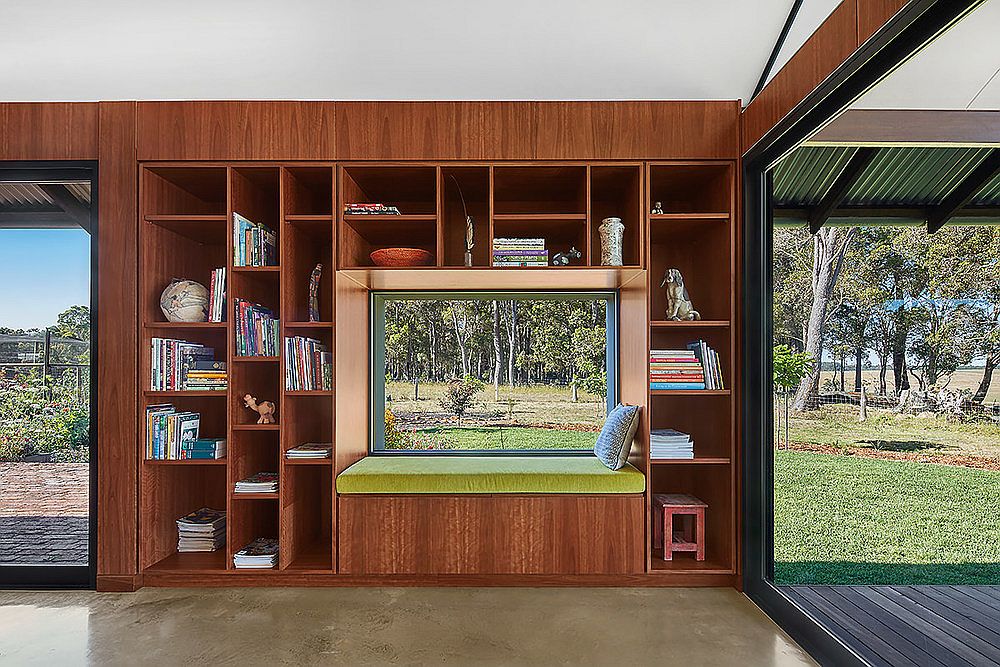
(206, 375)
(709, 359)
(261, 482)
(170, 361)
(260, 554)
(310, 450)
(169, 432)
(256, 330)
(667, 443)
(308, 365)
(204, 448)
(696, 367)
(217, 296)
(520, 252)
(201, 530)
(357, 208)
(254, 244)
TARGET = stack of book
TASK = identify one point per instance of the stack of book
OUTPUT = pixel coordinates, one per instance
(261, 554)
(169, 433)
(357, 208)
(204, 448)
(709, 359)
(201, 530)
(666, 443)
(254, 244)
(256, 330)
(262, 482)
(520, 252)
(217, 296)
(675, 369)
(310, 450)
(206, 375)
(308, 365)
(170, 361)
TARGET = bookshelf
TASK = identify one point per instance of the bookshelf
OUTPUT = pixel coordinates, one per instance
(185, 231)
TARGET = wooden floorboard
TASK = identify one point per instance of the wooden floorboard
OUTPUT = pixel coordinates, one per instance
(936, 626)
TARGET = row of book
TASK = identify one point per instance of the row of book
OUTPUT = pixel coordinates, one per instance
(261, 482)
(217, 296)
(254, 244)
(201, 530)
(694, 368)
(666, 443)
(308, 365)
(206, 375)
(256, 330)
(520, 252)
(173, 435)
(171, 359)
(358, 208)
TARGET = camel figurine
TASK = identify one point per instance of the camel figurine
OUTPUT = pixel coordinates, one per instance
(265, 409)
(678, 301)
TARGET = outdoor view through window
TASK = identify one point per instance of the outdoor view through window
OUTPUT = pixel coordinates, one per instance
(497, 372)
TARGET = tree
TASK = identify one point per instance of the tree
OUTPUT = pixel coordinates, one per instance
(789, 368)
(74, 322)
(459, 395)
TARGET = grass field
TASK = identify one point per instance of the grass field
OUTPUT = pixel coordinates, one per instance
(838, 426)
(854, 520)
(960, 379)
(504, 438)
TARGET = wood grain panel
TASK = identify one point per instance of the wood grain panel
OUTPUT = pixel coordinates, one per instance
(351, 372)
(873, 14)
(117, 336)
(235, 130)
(408, 130)
(675, 130)
(501, 534)
(49, 131)
(822, 53)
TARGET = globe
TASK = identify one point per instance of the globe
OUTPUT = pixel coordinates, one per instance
(185, 301)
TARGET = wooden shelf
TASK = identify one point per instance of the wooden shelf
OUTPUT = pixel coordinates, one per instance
(691, 324)
(308, 325)
(256, 269)
(317, 557)
(354, 218)
(309, 462)
(684, 563)
(207, 562)
(690, 392)
(254, 496)
(186, 462)
(688, 216)
(700, 460)
(204, 229)
(186, 392)
(256, 427)
(308, 218)
(579, 217)
(185, 325)
(308, 392)
(255, 359)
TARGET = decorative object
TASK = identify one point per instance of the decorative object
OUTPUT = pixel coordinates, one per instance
(401, 257)
(657, 208)
(611, 231)
(265, 409)
(678, 301)
(184, 301)
(689, 532)
(470, 225)
(314, 293)
(615, 441)
(563, 258)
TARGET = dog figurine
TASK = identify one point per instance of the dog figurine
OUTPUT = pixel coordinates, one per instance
(563, 258)
(678, 301)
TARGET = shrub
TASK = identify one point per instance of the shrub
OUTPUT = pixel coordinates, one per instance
(395, 438)
(459, 396)
(35, 418)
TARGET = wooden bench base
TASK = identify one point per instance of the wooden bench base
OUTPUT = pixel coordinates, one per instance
(491, 534)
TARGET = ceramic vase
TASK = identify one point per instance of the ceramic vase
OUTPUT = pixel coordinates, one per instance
(611, 231)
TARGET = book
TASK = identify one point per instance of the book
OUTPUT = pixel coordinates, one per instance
(310, 450)
(261, 553)
(254, 244)
(308, 365)
(659, 386)
(168, 432)
(262, 482)
(217, 296)
(256, 329)
(356, 208)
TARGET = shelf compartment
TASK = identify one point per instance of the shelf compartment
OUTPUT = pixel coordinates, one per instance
(211, 408)
(206, 562)
(411, 189)
(362, 235)
(676, 338)
(474, 183)
(560, 233)
(308, 192)
(684, 563)
(187, 190)
(691, 187)
(204, 229)
(701, 250)
(615, 192)
(539, 189)
(248, 521)
(713, 484)
(166, 254)
(304, 247)
(310, 419)
(255, 195)
(307, 518)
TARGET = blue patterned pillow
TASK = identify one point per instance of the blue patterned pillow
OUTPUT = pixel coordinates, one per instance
(615, 440)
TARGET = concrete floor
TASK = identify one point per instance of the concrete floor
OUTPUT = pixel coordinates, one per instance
(402, 626)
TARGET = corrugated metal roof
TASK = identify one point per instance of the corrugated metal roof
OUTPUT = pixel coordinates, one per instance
(898, 176)
(29, 195)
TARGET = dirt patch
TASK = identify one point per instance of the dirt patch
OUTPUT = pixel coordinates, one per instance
(962, 460)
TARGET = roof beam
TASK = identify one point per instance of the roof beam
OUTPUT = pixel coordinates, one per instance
(794, 211)
(835, 196)
(782, 36)
(910, 127)
(36, 219)
(964, 192)
(68, 202)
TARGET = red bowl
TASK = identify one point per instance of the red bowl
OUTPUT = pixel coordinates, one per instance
(401, 257)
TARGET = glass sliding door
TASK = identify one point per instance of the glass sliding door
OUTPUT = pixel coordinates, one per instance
(47, 245)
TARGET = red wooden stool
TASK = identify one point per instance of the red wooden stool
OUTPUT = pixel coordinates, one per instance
(689, 534)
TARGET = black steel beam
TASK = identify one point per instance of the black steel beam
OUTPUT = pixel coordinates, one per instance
(964, 192)
(68, 202)
(37, 219)
(835, 196)
(780, 42)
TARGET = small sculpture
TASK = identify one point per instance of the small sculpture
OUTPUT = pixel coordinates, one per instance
(314, 293)
(678, 301)
(657, 208)
(611, 230)
(265, 409)
(470, 225)
(184, 301)
(563, 258)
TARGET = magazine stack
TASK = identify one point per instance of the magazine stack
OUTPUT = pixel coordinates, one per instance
(520, 252)
(201, 530)
(261, 554)
(262, 482)
(254, 244)
(310, 450)
(308, 365)
(666, 443)
(256, 330)
(355, 208)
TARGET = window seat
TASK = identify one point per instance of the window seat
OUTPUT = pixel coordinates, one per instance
(402, 475)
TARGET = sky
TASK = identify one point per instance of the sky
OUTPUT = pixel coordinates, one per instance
(42, 273)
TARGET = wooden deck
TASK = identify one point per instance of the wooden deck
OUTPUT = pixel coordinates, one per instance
(910, 626)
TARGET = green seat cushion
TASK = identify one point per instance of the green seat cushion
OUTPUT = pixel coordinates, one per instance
(487, 474)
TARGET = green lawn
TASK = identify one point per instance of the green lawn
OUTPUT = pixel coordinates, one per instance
(504, 438)
(854, 520)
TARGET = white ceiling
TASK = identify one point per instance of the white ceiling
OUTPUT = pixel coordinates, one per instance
(959, 70)
(385, 49)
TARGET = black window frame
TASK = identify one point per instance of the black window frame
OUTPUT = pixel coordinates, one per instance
(376, 401)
